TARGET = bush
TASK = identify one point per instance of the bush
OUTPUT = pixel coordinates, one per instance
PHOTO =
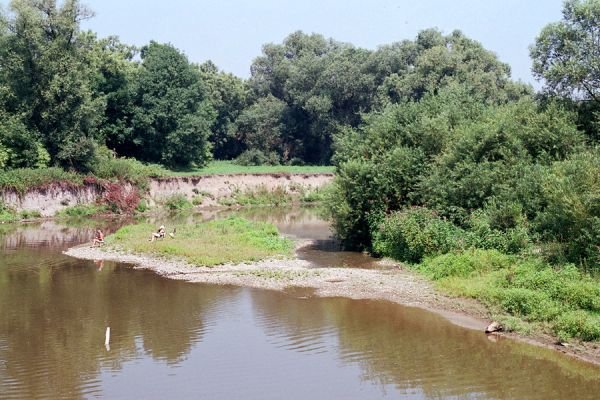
(81, 210)
(262, 196)
(414, 233)
(126, 169)
(257, 157)
(500, 227)
(579, 324)
(465, 264)
(177, 202)
(30, 214)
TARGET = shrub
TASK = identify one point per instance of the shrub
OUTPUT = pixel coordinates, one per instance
(81, 210)
(142, 206)
(30, 214)
(262, 196)
(177, 202)
(257, 157)
(120, 198)
(197, 200)
(580, 324)
(414, 233)
(498, 227)
(465, 264)
(126, 169)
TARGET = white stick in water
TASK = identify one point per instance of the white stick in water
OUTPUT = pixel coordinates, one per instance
(107, 338)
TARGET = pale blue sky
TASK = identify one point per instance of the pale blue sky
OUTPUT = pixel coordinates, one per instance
(231, 32)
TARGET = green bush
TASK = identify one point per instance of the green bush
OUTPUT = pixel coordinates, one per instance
(257, 157)
(126, 169)
(81, 210)
(262, 196)
(564, 299)
(579, 324)
(414, 233)
(30, 214)
(142, 206)
(465, 264)
(177, 202)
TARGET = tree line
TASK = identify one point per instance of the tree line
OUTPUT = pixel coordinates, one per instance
(67, 95)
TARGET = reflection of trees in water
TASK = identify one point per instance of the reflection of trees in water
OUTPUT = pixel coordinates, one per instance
(413, 349)
(54, 320)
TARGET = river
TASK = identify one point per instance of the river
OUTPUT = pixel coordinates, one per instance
(172, 339)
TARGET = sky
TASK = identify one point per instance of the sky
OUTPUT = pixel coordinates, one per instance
(232, 32)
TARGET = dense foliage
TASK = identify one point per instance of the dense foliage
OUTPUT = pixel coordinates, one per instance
(466, 164)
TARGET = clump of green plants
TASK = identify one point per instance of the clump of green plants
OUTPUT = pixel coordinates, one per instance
(126, 169)
(529, 289)
(263, 196)
(7, 214)
(177, 202)
(197, 200)
(30, 214)
(232, 240)
(81, 210)
(23, 179)
(316, 195)
(255, 157)
(414, 233)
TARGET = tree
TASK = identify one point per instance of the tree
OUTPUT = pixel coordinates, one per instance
(566, 54)
(228, 95)
(45, 79)
(172, 116)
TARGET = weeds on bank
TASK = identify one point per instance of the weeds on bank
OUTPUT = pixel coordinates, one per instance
(525, 292)
(232, 240)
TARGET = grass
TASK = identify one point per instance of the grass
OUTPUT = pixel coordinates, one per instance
(232, 240)
(228, 167)
(525, 293)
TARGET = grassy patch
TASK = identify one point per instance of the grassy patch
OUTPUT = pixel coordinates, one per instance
(231, 240)
(524, 291)
(228, 167)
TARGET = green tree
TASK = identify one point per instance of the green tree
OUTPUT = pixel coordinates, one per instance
(46, 81)
(566, 55)
(228, 95)
(172, 116)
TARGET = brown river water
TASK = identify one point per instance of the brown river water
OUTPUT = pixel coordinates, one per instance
(178, 340)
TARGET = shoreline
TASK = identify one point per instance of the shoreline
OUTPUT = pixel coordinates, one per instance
(395, 285)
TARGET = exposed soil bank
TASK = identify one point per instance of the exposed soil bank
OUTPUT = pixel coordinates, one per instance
(55, 197)
(396, 285)
(215, 187)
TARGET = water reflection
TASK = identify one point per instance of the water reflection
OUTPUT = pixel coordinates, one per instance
(171, 339)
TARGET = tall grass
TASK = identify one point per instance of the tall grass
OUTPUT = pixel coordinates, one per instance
(563, 299)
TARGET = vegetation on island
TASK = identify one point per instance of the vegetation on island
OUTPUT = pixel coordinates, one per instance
(233, 240)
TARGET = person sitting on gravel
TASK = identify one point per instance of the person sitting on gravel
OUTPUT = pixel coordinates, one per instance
(159, 234)
(98, 239)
